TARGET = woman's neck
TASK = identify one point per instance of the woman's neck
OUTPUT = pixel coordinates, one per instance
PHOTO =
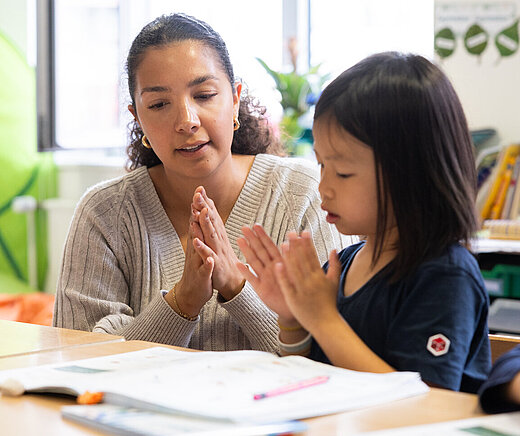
(223, 187)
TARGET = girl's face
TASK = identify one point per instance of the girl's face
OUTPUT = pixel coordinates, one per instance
(185, 106)
(348, 179)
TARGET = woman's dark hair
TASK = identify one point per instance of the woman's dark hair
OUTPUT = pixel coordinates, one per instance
(406, 110)
(254, 135)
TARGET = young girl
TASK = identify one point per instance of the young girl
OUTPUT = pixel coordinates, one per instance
(396, 166)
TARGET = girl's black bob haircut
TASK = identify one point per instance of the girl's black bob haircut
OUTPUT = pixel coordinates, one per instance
(405, 109)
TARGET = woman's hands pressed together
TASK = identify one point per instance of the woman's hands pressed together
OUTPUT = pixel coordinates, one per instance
(226, 277)
(195, 287)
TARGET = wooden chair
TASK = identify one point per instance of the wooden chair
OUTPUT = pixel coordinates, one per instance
(501, 344)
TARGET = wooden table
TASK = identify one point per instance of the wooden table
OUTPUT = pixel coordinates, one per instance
(18, 338)
(34, 415)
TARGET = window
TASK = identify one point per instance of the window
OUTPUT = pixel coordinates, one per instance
(82, 47)
(82, 88)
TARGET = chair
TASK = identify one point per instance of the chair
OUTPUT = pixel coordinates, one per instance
(501, 344)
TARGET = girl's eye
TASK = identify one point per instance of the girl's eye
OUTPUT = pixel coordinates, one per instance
(343, 176)
(157, 105)
(205, 96)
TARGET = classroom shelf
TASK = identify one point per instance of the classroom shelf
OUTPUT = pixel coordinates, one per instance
(483, 245)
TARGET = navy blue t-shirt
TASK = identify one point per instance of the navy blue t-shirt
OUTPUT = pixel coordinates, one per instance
(433, 322)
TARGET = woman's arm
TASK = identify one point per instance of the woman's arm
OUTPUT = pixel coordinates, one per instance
(108, 282)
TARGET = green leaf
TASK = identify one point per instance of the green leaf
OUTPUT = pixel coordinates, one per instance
(476, 40)
(507, 40)
(444, 42)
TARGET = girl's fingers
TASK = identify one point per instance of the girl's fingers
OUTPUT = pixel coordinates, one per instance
(293, 258)
(282, 278)
(257, 245)
(266, 241)
(250, 255)
(310, 260)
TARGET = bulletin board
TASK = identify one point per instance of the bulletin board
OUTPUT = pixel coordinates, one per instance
(477, 45)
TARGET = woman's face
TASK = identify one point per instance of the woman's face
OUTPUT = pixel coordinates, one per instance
(185, 106)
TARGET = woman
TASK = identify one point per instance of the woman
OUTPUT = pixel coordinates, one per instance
(152, 255)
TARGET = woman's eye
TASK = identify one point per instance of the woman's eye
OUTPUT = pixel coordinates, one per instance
(205, 96)
(343, 176)
(157, 105)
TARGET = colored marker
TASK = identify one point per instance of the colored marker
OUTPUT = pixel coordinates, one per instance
(293, 387)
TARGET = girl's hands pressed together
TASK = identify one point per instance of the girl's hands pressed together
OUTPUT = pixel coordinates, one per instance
(262, 255)
(309, 292)
(226, 277)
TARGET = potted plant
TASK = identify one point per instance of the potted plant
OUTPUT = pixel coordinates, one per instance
(299, 92)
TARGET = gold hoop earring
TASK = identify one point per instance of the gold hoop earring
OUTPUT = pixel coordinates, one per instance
(145, 142)
(236, 124)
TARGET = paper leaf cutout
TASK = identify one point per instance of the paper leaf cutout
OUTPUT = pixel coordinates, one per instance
(476, 40)
(507, 40)
(444, 42)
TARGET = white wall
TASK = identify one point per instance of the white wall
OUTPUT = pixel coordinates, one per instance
(13, 21)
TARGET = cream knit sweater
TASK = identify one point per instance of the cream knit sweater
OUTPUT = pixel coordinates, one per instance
(122, 253)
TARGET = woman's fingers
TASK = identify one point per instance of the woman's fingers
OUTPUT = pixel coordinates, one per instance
(208, 266)
(196, 231)
(203, 250)
(248, 275)
(208, 228)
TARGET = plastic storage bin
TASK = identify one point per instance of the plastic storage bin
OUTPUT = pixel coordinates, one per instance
(503, 281)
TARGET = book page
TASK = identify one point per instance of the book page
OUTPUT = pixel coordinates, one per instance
(222, 385)
(505, 424)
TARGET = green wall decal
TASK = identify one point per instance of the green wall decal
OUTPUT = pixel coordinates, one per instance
(24, 170)
(444, 42)
(476, 40)
(507, 40)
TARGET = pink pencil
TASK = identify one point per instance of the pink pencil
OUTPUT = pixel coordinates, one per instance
(293, 387)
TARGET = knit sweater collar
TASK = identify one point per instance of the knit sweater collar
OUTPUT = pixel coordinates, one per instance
(243, 213)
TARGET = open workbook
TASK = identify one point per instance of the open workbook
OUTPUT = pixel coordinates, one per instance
(233, 386)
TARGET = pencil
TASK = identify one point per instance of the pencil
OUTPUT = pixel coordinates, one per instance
(293, 387)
